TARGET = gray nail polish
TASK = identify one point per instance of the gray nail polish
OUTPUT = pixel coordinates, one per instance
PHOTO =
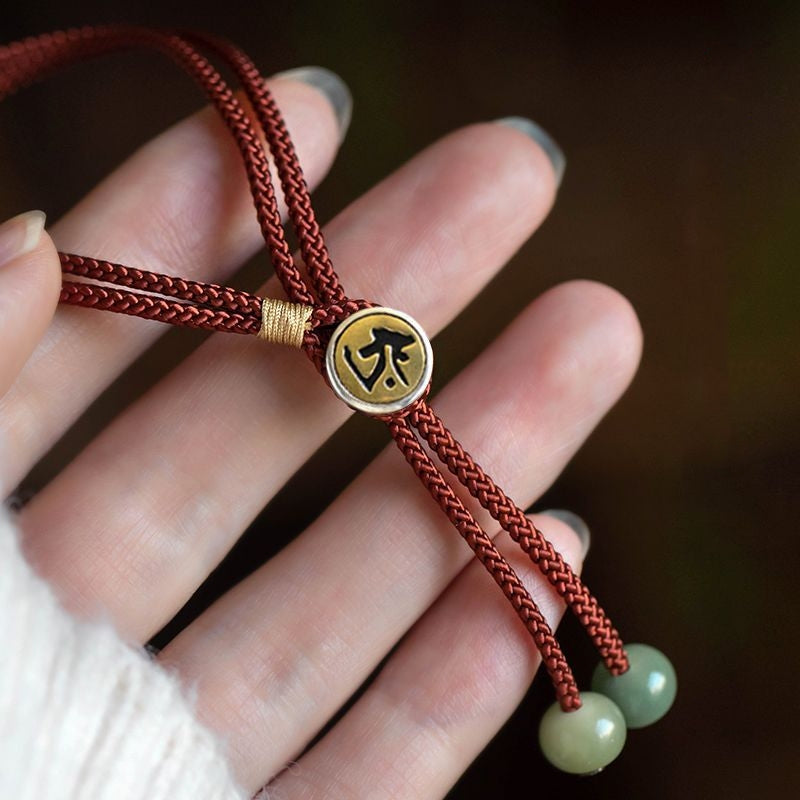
(575, 522)
(331, 85)
(543, 139)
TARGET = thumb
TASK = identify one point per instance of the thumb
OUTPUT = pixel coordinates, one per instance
(30, 279)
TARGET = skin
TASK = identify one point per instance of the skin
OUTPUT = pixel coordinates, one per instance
(267, 674)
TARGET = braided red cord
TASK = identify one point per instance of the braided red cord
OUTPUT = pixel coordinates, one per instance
(195, 304)
(24, 62)
(150, 307)
(487, 553)
(298, 200)
(208, 294)
(512, 519)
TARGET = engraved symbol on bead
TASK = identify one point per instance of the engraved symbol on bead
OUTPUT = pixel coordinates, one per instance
(379, 361)
(384, 340)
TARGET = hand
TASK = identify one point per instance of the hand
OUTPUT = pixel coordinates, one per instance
(138, 520)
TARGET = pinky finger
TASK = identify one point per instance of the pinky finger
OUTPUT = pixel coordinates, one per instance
(442, 696)
(30, 279)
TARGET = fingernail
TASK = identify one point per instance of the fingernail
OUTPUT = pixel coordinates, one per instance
(543, 139)
(20, 235)
(331, 85)
(575, 522)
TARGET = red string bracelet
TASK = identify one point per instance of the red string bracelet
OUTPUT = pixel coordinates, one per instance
(377, 360)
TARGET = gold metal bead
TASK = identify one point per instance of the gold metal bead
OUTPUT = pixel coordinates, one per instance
(379, 361)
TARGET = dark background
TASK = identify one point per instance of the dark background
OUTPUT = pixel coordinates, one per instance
(682, 133)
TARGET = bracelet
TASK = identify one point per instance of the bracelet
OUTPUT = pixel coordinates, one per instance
(377, 360)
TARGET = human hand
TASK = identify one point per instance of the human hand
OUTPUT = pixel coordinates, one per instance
(139, 519)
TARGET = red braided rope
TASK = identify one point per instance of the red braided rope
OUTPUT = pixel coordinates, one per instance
(298, 200)
(194, 304)
(487, 553)
(150, 307)
(207, 294)
(29, 60)
(532, 541)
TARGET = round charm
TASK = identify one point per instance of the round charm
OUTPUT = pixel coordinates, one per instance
(584, 741)
(379, 361)
(646, 691)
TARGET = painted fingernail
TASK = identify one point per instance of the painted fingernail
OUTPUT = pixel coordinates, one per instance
(543, 139)
(20, 235)
(575, 522)
(331, 85)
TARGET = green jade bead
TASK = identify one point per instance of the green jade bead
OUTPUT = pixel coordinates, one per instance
(646, 691)
(584, 741)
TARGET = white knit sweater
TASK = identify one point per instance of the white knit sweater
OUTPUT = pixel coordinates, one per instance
(83, 715)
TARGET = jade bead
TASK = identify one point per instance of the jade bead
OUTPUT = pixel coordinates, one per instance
(586, 740)
(646, 691)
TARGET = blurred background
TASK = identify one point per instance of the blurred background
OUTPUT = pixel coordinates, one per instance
(682, 134)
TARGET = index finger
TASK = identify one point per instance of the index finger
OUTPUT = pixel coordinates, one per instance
(179, 205)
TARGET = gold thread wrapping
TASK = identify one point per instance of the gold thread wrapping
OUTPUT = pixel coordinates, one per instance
(283, 322)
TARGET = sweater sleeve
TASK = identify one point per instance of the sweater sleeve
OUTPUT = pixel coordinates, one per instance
(86, 716)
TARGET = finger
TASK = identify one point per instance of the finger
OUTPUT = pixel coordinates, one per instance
(209, 446)
(286, 647)
(30, 277)
(442, 696)
(180, 205)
